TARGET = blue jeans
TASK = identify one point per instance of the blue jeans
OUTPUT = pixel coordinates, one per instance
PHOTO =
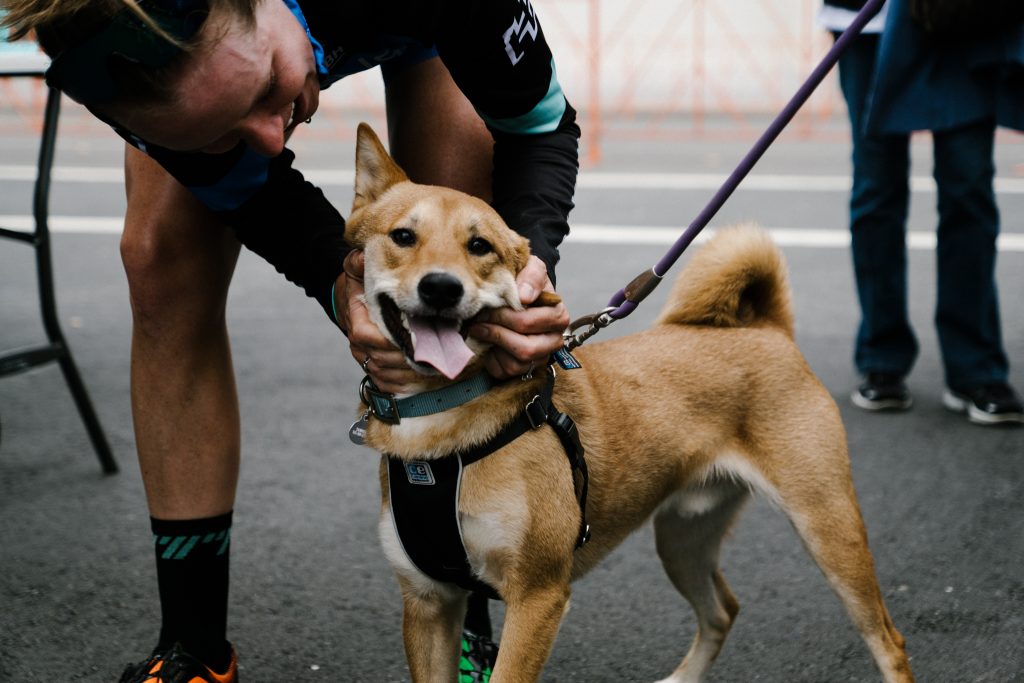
(967, 308)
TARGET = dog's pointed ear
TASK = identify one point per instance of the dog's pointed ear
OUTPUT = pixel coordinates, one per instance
(376, 171)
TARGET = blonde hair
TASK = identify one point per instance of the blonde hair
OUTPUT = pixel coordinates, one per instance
(61, 24)
(24, 16)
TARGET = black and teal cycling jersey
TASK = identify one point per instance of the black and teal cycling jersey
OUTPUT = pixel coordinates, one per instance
(496, 53)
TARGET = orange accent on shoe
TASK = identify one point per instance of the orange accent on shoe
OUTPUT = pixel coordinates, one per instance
(156, 668)
(229, 676)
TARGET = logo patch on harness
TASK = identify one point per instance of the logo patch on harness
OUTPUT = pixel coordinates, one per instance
(566, 360)
(419, 473)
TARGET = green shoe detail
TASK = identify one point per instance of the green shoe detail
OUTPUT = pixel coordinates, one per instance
(477, 660)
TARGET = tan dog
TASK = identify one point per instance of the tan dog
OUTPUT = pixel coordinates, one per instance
(733, 408)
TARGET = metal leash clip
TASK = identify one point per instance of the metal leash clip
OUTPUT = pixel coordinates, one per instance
(594, 323)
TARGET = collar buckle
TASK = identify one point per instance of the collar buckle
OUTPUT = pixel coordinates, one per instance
(383, 406)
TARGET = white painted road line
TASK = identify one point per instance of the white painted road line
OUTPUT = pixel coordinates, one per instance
(588, 180)
(65, 174)
(785, 237)
(582, 233)
(89, 225)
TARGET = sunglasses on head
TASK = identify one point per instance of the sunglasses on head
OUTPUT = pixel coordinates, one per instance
(84, 71)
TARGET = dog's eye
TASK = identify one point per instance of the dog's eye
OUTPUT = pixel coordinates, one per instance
(403, 237)
(478, 246)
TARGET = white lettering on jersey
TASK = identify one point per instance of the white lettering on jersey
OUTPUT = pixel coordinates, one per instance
(525, 25)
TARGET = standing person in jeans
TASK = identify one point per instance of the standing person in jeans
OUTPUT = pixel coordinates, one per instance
(959, 86)
(206, 93)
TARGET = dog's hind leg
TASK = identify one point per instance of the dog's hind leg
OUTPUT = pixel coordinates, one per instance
(432, 631)
(688, 530)
(808, 477)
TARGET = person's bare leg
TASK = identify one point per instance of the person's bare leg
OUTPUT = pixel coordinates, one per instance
(434, 133)
(179, 261)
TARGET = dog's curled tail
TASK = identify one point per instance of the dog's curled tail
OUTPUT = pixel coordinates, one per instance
(737, 279)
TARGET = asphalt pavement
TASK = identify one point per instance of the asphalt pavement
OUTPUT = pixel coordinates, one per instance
(312, 596)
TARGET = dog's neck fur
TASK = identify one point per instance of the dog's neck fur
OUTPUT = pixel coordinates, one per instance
(452, 430)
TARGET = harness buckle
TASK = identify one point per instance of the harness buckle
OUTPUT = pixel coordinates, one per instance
(536, 413)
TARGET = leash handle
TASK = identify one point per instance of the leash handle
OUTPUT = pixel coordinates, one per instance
(624, 301)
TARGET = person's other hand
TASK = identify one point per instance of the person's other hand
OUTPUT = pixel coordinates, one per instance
(380, 359)
(523, 339)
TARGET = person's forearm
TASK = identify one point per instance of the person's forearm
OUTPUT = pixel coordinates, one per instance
(292, 225)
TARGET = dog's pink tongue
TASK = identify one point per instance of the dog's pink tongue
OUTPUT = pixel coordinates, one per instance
(438, 343)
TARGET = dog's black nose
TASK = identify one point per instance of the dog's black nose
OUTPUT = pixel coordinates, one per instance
(440, 290)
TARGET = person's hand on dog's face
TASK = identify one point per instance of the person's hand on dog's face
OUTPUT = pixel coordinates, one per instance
(386, 366)
(523, 339)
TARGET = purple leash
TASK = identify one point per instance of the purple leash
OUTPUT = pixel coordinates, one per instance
(628, 298)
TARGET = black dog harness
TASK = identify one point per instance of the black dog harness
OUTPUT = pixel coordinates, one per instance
(424, 495)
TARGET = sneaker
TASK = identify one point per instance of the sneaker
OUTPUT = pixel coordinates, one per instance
(882, 391)
(995, 403)
(478, 657)
(177, 666)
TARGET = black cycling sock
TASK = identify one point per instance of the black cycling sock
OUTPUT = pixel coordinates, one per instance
(478, 618)
(192, 573)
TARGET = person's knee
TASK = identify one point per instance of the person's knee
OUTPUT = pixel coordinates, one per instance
(177, 256)
(178, 270)
(168, 285)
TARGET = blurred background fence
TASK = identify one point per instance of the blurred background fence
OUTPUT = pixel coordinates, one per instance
(635, 70)
(648, 69)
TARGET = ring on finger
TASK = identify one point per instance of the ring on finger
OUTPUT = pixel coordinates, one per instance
(366, 363)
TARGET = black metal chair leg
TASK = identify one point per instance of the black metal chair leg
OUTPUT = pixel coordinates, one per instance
(58, 349)
(85, 409)
(47, 299)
